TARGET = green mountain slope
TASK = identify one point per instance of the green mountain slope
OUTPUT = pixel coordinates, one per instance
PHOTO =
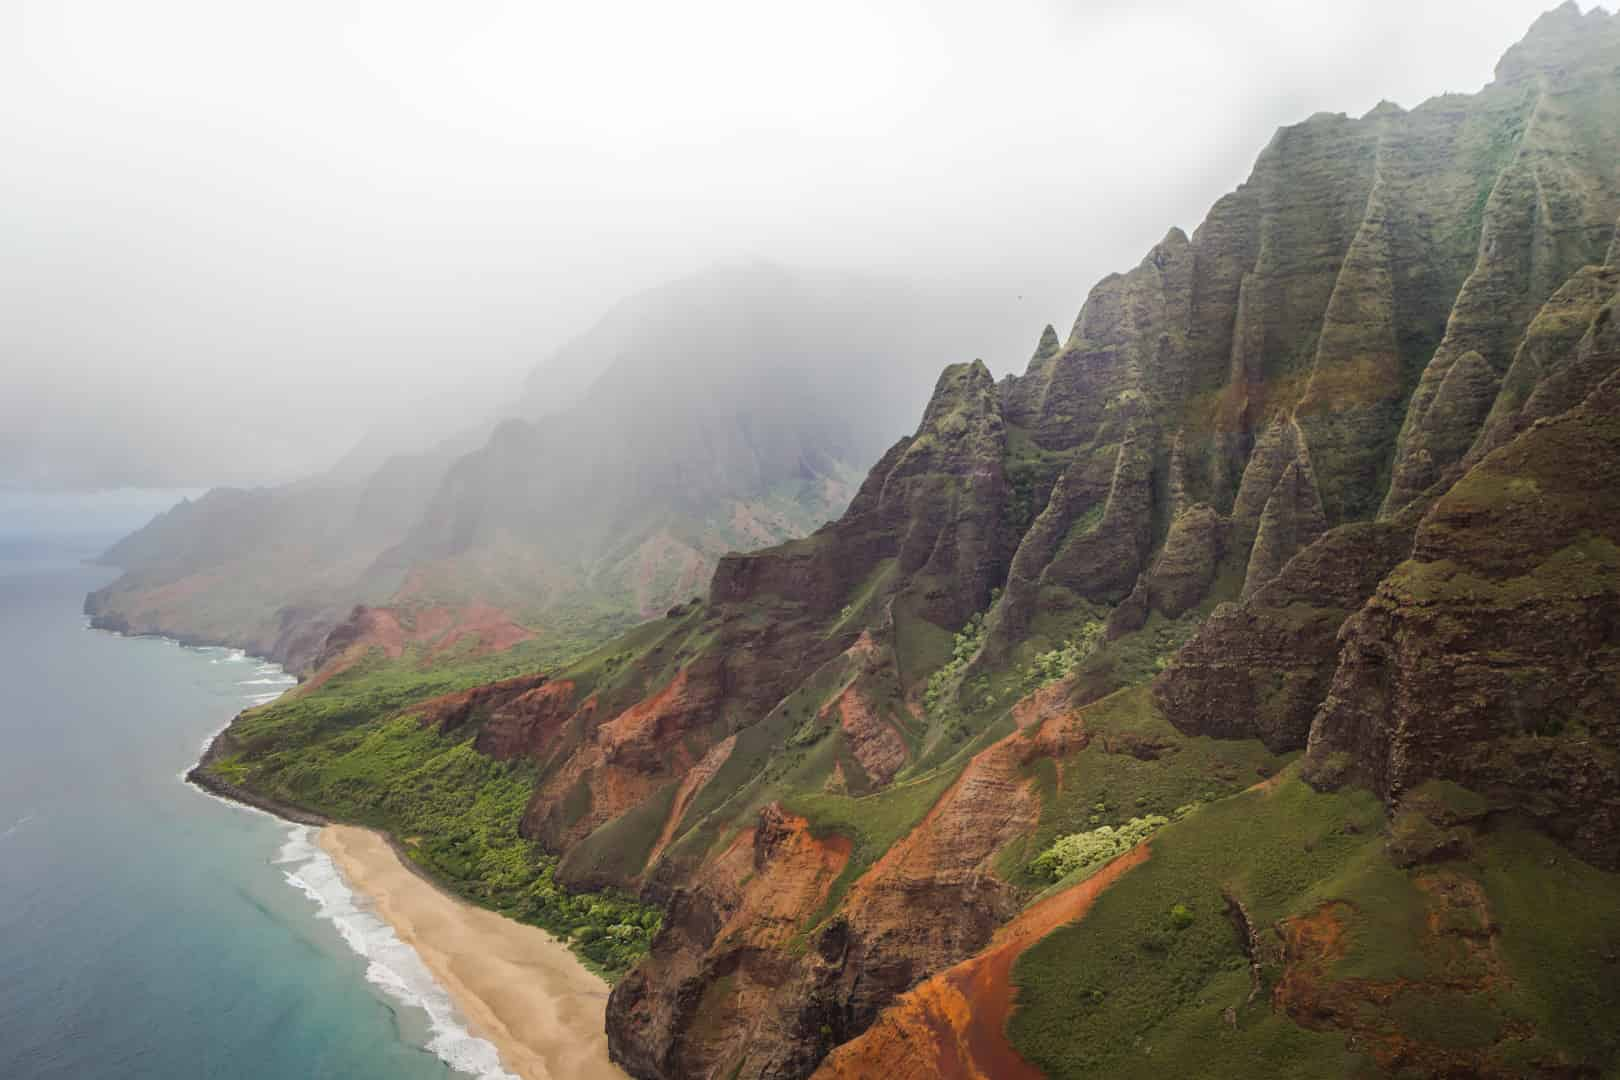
(1237, 684)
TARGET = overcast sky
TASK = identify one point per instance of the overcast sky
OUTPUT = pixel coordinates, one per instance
(237, 235)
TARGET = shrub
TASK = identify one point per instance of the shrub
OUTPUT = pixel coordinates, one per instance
(942, 683)
(1056, 663)
(1082, 850)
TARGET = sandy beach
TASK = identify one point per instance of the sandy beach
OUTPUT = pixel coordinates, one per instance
(516, 985)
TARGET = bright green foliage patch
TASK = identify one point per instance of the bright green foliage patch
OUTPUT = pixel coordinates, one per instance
(942, 684)
(1084, 850)
(1058, 662)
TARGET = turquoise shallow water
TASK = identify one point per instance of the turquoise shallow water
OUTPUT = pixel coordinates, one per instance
(146, 929)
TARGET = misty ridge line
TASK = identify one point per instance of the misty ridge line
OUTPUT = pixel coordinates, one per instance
(246, 284)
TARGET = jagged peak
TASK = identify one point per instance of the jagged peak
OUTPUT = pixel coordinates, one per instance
(964, 385)
(1046, 348)
(1555, 38)
(1325, 116)
(1384, 108)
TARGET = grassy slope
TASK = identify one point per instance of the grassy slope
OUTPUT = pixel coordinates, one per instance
(1126, 992)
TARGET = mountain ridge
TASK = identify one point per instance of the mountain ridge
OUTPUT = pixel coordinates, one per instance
(1273, 567)
(607, 500)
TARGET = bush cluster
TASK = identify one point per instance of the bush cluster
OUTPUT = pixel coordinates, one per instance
(1082, 850)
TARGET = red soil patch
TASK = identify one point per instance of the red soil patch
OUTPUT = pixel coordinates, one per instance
(437, 629)
(642, 723)
(874, 742)
(798, 869)
(954, 1024)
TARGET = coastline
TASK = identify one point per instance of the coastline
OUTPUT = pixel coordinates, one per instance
(224, 789)
(519, 988)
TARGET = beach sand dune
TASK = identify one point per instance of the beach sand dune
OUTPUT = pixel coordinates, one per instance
(517, 986)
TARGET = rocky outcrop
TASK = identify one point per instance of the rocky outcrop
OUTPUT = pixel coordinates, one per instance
(954, 1023)
(1571, 346)
(1222, 422)
(1492, 657)
(932, 503)
(709, 998)
(530, 723)
(1280, 485)
(1186, 567)
(1291, 521)
(1260, 668)
(1100, 560)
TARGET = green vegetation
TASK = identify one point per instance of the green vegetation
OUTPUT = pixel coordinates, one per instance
(1138, 986)
(1134, 765)
(1031, 471)
(1058, 662)
(1558, 939)
(1085, 850)
(353, 751)
(943, 684)
(1492, 955)
(872, 823)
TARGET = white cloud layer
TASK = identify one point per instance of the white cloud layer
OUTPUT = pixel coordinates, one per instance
(239, 234)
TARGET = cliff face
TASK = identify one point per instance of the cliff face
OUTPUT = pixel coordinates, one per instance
(1259, 669)
(1492, 657)
(1258, 414)
(1333, 474)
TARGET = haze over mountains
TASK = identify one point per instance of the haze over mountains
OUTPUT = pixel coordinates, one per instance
(220, 275)
(1234, 692)
(724, 411)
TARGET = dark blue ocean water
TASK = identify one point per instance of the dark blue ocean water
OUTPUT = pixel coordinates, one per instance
(146, 929)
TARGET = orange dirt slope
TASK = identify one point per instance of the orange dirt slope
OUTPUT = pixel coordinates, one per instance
(954, 1024)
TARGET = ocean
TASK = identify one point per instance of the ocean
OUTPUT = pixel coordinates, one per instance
(148, 929)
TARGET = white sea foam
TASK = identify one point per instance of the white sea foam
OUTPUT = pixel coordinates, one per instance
(233, 804)
(282, 679)
(392, 965)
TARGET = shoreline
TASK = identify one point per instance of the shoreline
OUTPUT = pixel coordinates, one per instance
(518, 987)
(224, 789)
